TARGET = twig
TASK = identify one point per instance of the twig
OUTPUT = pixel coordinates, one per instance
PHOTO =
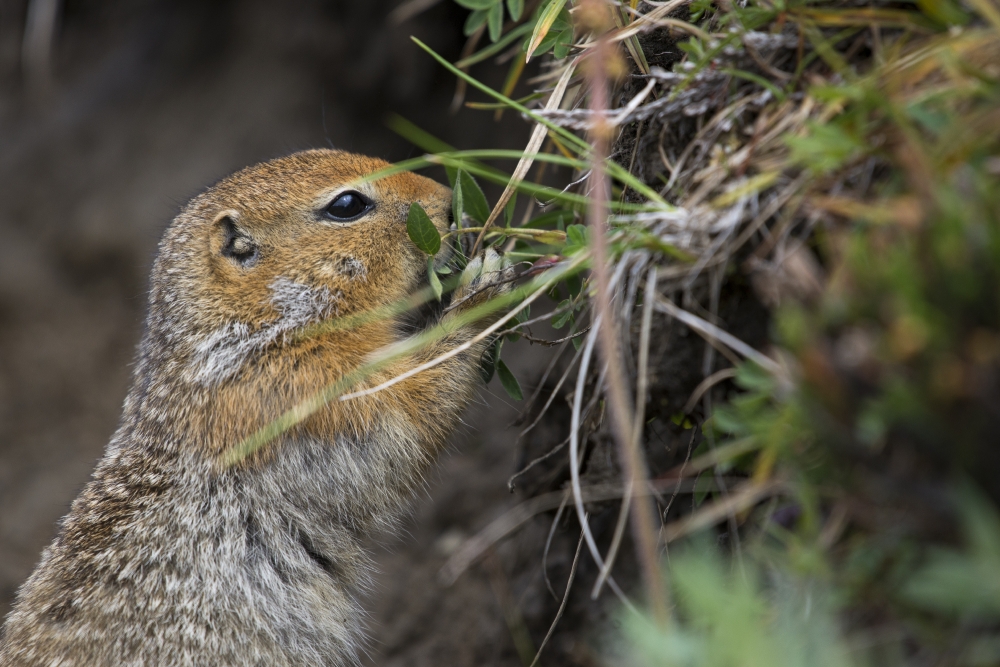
(552, 395)
(534, 462)
(562, 605)
(540, 318)
(550, 343)
(548, 543)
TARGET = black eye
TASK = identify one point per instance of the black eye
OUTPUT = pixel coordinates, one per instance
(348, 206)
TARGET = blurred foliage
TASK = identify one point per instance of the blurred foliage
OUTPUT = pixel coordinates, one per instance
(885, 418)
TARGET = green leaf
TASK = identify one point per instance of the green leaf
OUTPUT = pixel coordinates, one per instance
(475, 21)
(576, 239)
(963, 582)
(563, 44)
(515, 8)
(477, 4)
(473, 198)
(493, 49)
(508, 381)
(826, 147)
(443, 270)
(560, 320)
(495, 21)
(574, 284)
(422, 231)
(752, 377)
(944, 12)
(488, 362)
(576, 234)
(433, 280)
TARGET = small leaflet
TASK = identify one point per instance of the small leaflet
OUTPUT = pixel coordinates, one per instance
(422, 231)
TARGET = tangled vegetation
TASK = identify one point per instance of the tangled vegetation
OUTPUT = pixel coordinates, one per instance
(770, 234)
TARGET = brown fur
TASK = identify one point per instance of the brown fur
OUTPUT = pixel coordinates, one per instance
(170, 557)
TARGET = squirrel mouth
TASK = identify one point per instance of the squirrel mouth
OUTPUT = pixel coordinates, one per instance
(429, 313)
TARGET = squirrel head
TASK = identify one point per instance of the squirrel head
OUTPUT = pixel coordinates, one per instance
(282, 245)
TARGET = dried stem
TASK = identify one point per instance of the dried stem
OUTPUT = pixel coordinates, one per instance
(562, 605)
(633, 463)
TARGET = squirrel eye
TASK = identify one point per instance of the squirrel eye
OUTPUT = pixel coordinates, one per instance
(348, 206)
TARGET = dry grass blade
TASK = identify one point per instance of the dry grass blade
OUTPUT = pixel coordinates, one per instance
(545, 21)
(552, 395)
(720, 454)
(574, 441)
(642, 382)
(647, 20)
(632, 41)
(538, 135)
(477, 545)
(706, 384)
(739, 499)
(989, 11)
(711, 331)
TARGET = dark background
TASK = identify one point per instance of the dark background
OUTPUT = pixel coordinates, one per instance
(146, 103)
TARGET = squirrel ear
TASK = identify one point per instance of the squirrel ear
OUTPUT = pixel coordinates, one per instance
(234, 243)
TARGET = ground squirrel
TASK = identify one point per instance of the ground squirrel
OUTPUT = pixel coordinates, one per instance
(168, 556)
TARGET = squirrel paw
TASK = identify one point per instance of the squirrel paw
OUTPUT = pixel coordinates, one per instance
(487, 276)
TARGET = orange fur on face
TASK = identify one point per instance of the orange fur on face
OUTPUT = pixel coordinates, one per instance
(233, 319)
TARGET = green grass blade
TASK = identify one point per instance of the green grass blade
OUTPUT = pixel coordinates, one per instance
(562, 132)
